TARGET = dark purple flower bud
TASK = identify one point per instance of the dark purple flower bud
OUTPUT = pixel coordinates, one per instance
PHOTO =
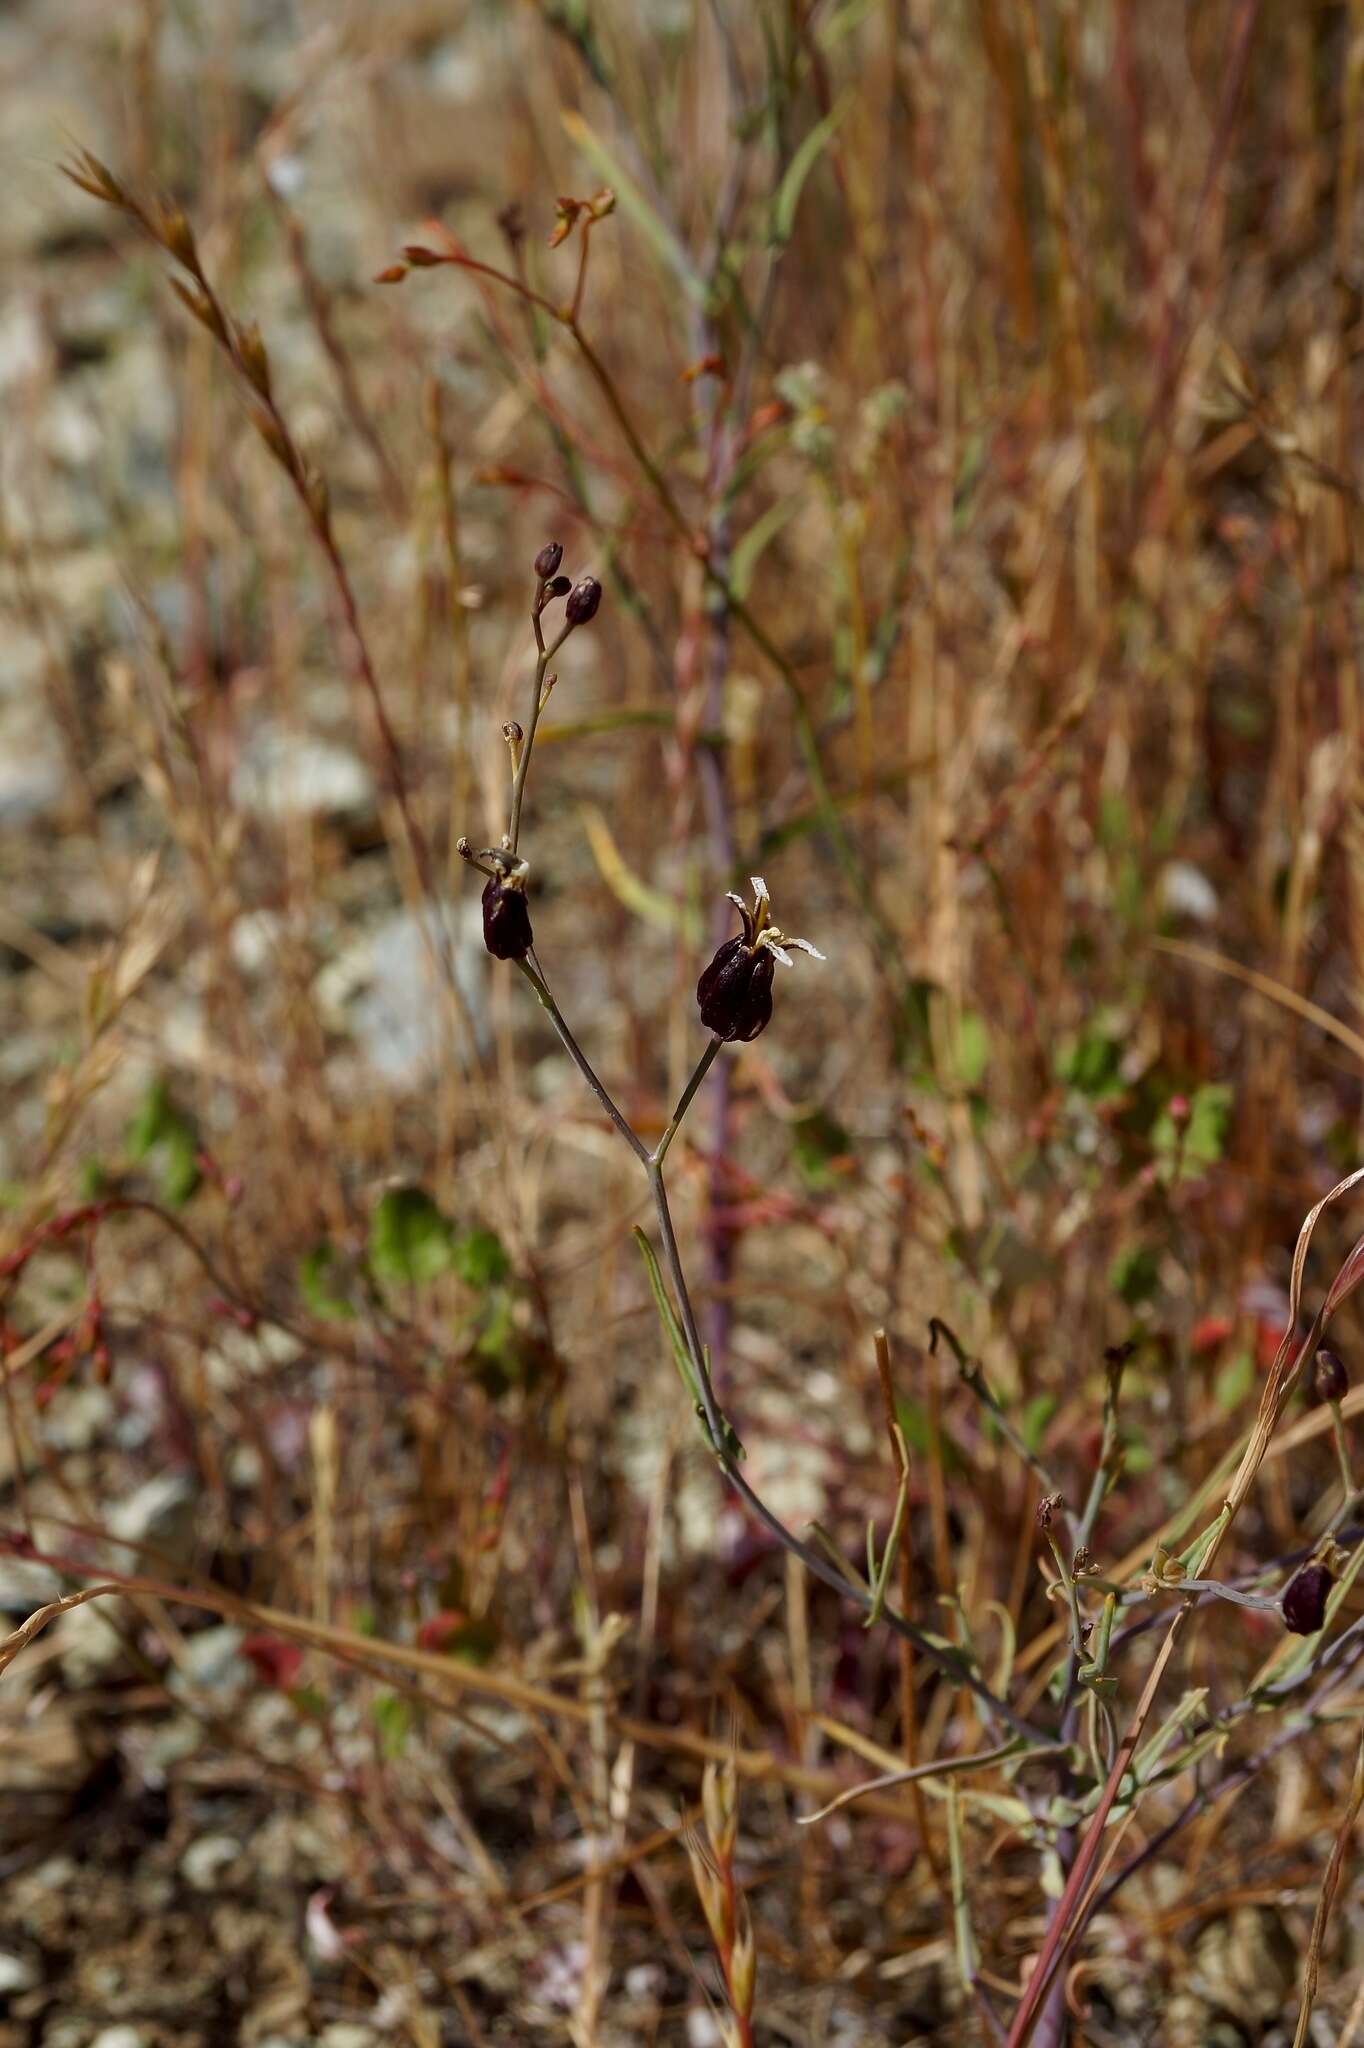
(1332, 1380)
(1304, 1600)
(506, 920)
(583, 600)
(735, 991)
(548, 560)
(558, 586)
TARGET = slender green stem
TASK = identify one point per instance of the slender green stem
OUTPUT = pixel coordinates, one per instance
(580, 1061)
(1347, 1477)
(953, 1665)
(1077, 1625)
(973, 1377)
(703, 1067)
(544, 658)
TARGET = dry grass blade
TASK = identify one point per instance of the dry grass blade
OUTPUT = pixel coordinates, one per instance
(1329, 1884)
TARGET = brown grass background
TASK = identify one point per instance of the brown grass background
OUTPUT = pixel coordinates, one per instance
(1024, 412)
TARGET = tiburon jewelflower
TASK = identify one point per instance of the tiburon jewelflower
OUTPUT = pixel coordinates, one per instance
(735, 991)
(1331, 1380)
(1304, 1600)
(506, 915)
(583, 600)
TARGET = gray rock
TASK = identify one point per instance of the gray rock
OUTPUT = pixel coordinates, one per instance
(25, 1585)
(384, 988)
(17, 1973)
(161, 1515)
(282, 774)
(32, 772)
(204, 1862)
(1186, 891)
(212, 1662)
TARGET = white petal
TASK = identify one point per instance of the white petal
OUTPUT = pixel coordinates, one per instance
(777, 952)
(737, 901)
(759, 889)
(804, 946)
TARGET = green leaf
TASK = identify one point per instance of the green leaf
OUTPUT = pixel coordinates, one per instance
(818, 1142)
(317, 1272)
(1203, 1140)
(667, 1315)
(1234, 1382)
(918, 1434)
(798, 170)
(480, 1259)
(1137, 1455)
(475, 1642)
(162, 1129)
(749, 547)
(1134, 1276)
(153, 1118)
(1090, 1063)
(179, 1167)
(410, 1242)
(1036, 1415)
(392, 1716)
(505, 1356)
(973, 1049)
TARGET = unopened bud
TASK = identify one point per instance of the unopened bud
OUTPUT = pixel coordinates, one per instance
(1332, 1381)
(1304, 1600)
(558, 586)
(583, 601)
(548, 560)
(1046, 1508)
(506, 920)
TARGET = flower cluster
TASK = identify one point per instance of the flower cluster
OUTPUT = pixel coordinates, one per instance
(734, 993)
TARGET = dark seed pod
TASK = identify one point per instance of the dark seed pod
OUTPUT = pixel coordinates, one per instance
(583, 600)
(1332, 1380)
(735, 991)
(558, 586)
(506, 921)
(1304, 1600)
(548, 560)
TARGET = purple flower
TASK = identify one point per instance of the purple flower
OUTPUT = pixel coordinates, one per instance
(735, 991)
(1304, 1600)
(506, 920)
